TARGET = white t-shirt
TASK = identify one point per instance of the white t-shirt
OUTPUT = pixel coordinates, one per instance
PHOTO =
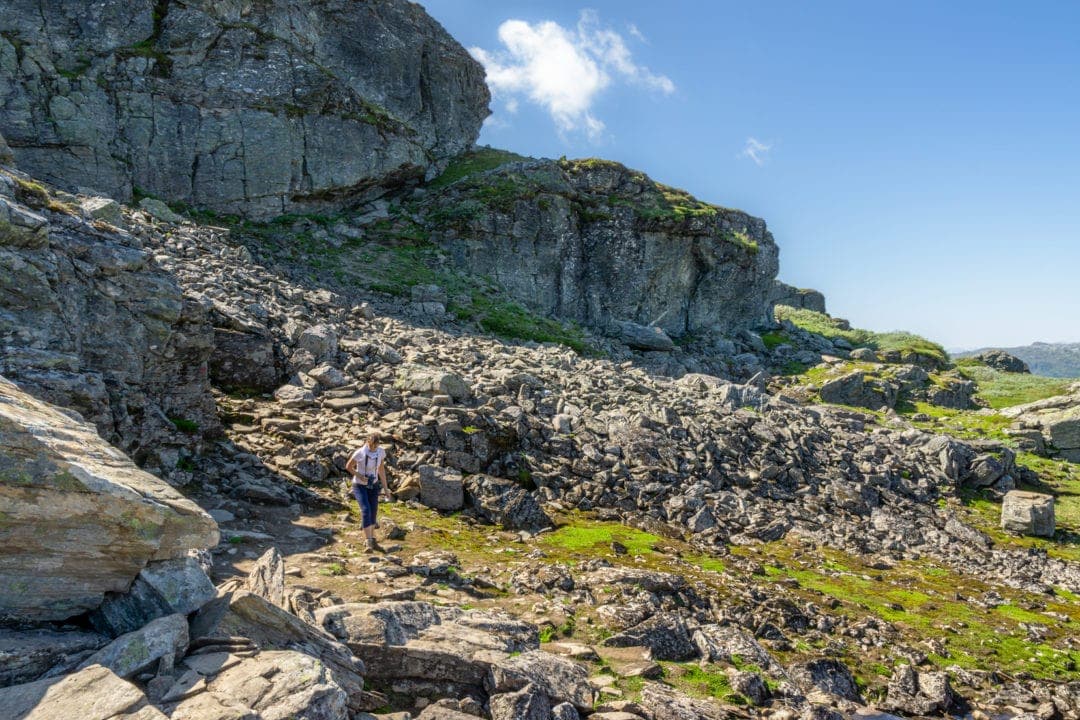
(367, 463)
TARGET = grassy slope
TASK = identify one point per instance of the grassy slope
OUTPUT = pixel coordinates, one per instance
(826, 326)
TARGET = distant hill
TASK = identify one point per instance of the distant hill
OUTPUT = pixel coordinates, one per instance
(1049, 359)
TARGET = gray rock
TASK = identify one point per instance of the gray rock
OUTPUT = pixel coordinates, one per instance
(6, 157)
(26, 655)
(95, 693)
(784, 294)
(751, 686)
(21, 227)
(666, 703)
(864, 354)
(1028, 513)
(274, 684)
(160, 211)
(244, 361)
(62, 489)
(503, 502)
(133, 652)
(267, 578)
(441, 488)
(101, 208)
(161, 588)
(1003, 361)
(560, 679)
(643, 337)
(528, 703)
(328, 376)
(431, 381)
(918, 692)
(294, 396)
(565, 711)
(244, 614)
(855, 389)
(826, 675)
(283, 106)
(665, 635)
(402, 640)
(320, 340)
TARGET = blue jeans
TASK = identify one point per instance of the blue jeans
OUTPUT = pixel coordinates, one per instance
(368, 498)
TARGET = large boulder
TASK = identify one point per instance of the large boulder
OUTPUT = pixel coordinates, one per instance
(1003, 361)
(161, 588)
(804, 298)
(250, 108)
(244, 614)
(245, 361)
(273, 685)
(595, 242)
(414, 640)
(79, 519)
(95, 693)
(441, 488)
(665, 635)
(918, 693)
(26, 655)
(163, 639)
(1028, 513)
(506, 503)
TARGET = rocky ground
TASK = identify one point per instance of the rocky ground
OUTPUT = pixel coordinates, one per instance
(679, 535)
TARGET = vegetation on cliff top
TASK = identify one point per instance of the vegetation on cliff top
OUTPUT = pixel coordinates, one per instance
(833, 328)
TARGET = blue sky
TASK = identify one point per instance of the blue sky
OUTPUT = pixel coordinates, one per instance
(918, 162)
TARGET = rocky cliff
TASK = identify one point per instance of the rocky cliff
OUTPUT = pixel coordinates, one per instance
(88, 321)
(253, 108)
(598, 243)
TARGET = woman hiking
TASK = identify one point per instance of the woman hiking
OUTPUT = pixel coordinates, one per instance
(367, 466)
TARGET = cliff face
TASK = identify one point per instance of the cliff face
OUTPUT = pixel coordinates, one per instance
(89, 322)
(597, 243)
(253, 108)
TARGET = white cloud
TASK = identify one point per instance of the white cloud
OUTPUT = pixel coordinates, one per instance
(756, 150)
(635, 33)
(563, 69)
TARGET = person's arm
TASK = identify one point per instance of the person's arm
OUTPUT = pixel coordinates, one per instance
(382, 474)
(350, 466)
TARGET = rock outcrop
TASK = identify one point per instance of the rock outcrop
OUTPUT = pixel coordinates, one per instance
(597, 243)
(1003, 361)
(248, 108)
(88, 321)
(805, 298)
(1057, 419)
(105, 518)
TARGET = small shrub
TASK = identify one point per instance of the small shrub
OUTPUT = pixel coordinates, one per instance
(184, 425)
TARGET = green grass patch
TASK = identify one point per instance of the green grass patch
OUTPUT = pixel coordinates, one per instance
(923, 604)
(592, 537)
(709, 681)
(902, 342)
(773, 339)
(1001, 389)
(184, 425)
(334, 569)
(472, 162)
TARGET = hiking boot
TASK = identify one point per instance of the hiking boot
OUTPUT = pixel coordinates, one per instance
(374, 546)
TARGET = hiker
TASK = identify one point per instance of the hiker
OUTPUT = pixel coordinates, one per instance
(368, 468)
